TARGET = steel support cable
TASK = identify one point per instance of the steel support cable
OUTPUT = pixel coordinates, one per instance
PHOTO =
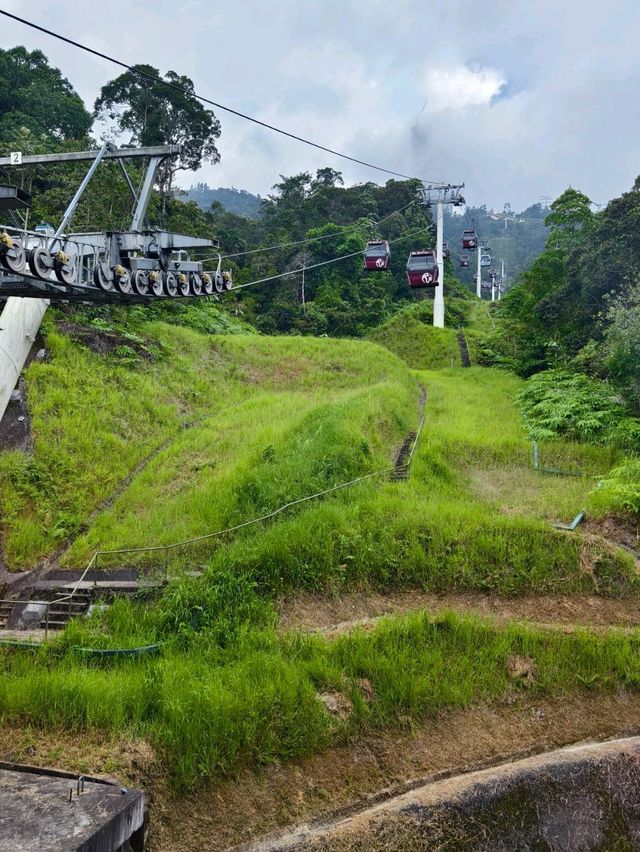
(316, 265)
(337, 233)
(209, 101)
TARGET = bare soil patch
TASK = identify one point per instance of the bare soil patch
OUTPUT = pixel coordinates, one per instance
(373, 767)
(104, 342)
(624, 531)
(332, 616)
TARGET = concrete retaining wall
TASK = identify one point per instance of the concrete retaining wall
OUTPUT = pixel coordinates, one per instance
(580, 798)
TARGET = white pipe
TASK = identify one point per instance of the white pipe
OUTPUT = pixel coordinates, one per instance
(479, 272)
(19, 324)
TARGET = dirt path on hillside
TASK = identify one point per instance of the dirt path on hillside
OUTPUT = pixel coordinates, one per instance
(332, 616)
(374, 767)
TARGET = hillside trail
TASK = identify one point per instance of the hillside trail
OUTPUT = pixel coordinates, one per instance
(465, 358)
(332, 617)
(403, 458)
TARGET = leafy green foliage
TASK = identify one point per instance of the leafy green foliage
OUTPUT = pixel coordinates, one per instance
(622, 342)
(161, 111)
(36, 97)
(558, 402)
(620, 490)
(576, 306)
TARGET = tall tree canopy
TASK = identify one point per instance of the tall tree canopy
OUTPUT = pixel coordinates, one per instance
(154, 110)
(37, 98)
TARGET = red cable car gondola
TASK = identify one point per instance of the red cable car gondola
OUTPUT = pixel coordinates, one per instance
(377, 255)
(469, 239)
(422, 268)
(464, 260)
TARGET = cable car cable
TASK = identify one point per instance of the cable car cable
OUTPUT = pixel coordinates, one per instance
(343, 230)
(216, 104)
(316, 265)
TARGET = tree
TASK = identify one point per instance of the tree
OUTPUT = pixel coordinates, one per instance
(570, 214)
(326, 177)
(157, 111)
(36, 97)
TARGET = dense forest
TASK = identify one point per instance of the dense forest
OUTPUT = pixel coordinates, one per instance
(572, 324)
(515, 238)
(310, 218)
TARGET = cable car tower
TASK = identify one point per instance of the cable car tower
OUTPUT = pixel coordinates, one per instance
(440, 195)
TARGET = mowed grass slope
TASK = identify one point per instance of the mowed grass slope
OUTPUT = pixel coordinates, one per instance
(245, 422)
(438, 530)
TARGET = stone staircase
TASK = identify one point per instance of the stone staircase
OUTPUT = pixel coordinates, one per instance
(401, 470)
(65, 599)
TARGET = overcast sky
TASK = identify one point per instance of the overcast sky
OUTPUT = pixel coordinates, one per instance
(517, 99)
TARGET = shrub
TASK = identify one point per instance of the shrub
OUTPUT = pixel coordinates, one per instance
(558, 402)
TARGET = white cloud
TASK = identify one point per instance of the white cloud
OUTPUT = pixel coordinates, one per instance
(460, 87)
(519, 100)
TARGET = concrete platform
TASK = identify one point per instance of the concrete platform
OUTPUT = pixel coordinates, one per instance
(36, 635)
(54, 811)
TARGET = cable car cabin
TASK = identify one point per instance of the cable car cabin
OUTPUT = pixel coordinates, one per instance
(485, 260)
(446, 251)
(464, 261)
(422, 269)
(469, 239)
(377, 255)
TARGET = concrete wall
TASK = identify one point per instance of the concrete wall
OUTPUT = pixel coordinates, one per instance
(19, 324)
(585, 798)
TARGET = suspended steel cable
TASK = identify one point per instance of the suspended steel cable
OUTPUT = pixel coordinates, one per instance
(313, 239)
(183, 90)
(320, 263)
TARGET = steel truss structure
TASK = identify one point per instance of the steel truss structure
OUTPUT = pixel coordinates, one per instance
(125, 267)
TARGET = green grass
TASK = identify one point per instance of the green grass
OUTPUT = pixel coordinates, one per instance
(244, 399)
(213, 710)
(411, 337)
(249, 423)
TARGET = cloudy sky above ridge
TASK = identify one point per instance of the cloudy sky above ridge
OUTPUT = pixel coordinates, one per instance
(518, 98)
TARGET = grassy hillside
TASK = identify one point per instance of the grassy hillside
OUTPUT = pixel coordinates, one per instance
(232, 428)
(245, 422)
(418, 343)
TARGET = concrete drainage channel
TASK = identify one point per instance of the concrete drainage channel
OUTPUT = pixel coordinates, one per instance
(584, 797)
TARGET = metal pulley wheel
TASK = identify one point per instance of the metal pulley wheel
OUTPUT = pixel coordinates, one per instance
(155, 280)
(122, 278)
(14, 258)
(103, 277)
(196, 284)
(40, 262)
(183, 284)
(218, 283)
(140, 281)
(207, 283)
(66, 272)
(170, 283)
